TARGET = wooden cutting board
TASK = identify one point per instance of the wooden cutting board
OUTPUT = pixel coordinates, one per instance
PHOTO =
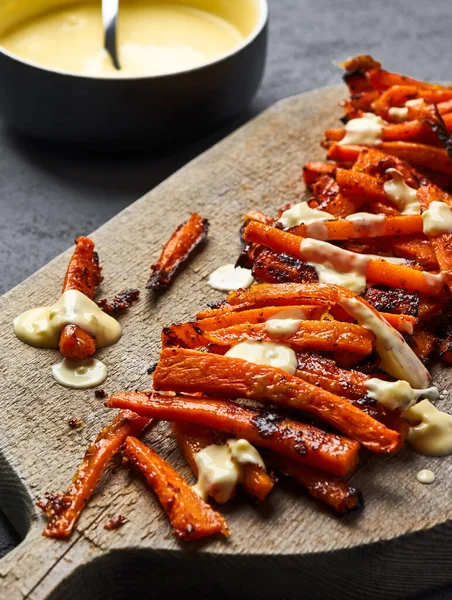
(288, 548)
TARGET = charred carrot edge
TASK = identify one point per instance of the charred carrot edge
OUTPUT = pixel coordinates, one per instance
(343, 229)
(314, 170)
(326, 336)
(380, 79)
(377, 271)
(177, 249)
(337, 494)
(190, 517)
(424, 343)
(441, 244)
(64, 509)
(183, 370)
(409, 131)
(191, 439)
(83, 274)
(419, 155)
(416, 248)
(303, 443)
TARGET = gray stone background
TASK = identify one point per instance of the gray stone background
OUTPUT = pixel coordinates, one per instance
(48, 196)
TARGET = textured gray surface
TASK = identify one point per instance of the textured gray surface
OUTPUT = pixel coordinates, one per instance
(47, 196)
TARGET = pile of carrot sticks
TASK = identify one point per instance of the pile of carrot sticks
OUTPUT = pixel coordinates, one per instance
(310, 425)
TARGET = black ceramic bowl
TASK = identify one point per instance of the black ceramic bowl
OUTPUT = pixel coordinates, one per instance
(64, 107)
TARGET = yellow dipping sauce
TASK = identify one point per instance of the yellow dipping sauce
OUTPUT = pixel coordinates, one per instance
(154, 38)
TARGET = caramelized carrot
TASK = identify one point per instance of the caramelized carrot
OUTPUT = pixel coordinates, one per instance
(190, 371)
(64, 509)
(190, 517)
(304, 443)
(341, 497)
(312, 171)
(377, 271)
(441, 244)
(177, 249)
(343, 229)
(324, 336)
(380, 79)
(329, 198)
(84, 275)
(409, 131)
(274, 267)
(416, 248)
(191, 335)
(192, 439)
(257, 215)
(396, 95)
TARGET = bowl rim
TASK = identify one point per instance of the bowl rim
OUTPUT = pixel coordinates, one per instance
(259, 27)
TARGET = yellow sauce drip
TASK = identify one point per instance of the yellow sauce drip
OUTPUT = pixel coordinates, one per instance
(154, 38)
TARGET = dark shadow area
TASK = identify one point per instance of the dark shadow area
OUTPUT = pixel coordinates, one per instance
(9, 538)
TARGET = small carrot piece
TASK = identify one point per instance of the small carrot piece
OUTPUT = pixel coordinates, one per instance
(64, 509)
(416, 248)
(257, 215)
(84, 275)
(342, 229)
(191, 439)
(341, 497)
(177, 249)
(377, 271)
(302, 442)
(190, 517)
(323, 336)
(312, 171)
(190, 371)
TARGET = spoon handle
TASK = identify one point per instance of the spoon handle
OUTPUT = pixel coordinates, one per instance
(110, 10)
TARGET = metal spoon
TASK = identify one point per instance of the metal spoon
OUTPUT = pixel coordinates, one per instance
(110, 9)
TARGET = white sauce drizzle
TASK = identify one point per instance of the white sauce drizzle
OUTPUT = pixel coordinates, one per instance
(228, 278)
(285, 322)
(266, 353)
(397, 358)
(41, 327)
(303, 213)
(397, 394)
(433, 279)
(425, 476)
(437, 219)
(80, 374)
(403, 196)
(220, 468)
(417, 102)
(399, 114)
(373, 224)
(431, 432)
(366, 130)
(335, 265)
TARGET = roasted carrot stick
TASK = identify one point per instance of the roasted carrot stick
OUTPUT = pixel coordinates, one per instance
(416, 248)
(324, 336)
(190, 371)
(304, 443)
(341, 497)
(380, 79)
(441, 244)
(257, 215)
(64, 509)
(194, 438)
(177, 249)
(312, 171)
(191, 335)
(409, 131)
(329, 198)
(343, 229)
(377, 271)
(419, 155)
(83, 274)
(274, 267)
(190, 517)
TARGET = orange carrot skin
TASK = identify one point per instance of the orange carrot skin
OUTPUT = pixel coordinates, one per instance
(299, 441)
(328, 336)
(181, 244)
(84, 275)
(342, 229)
(341, 497)
(190, 371)
(377, 271)
(191, 439)
(312, 171)
(76, 343)
(65, 509)
(83, 272)
(190, 517)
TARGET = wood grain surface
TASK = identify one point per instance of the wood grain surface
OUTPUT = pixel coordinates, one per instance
(290, 547)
